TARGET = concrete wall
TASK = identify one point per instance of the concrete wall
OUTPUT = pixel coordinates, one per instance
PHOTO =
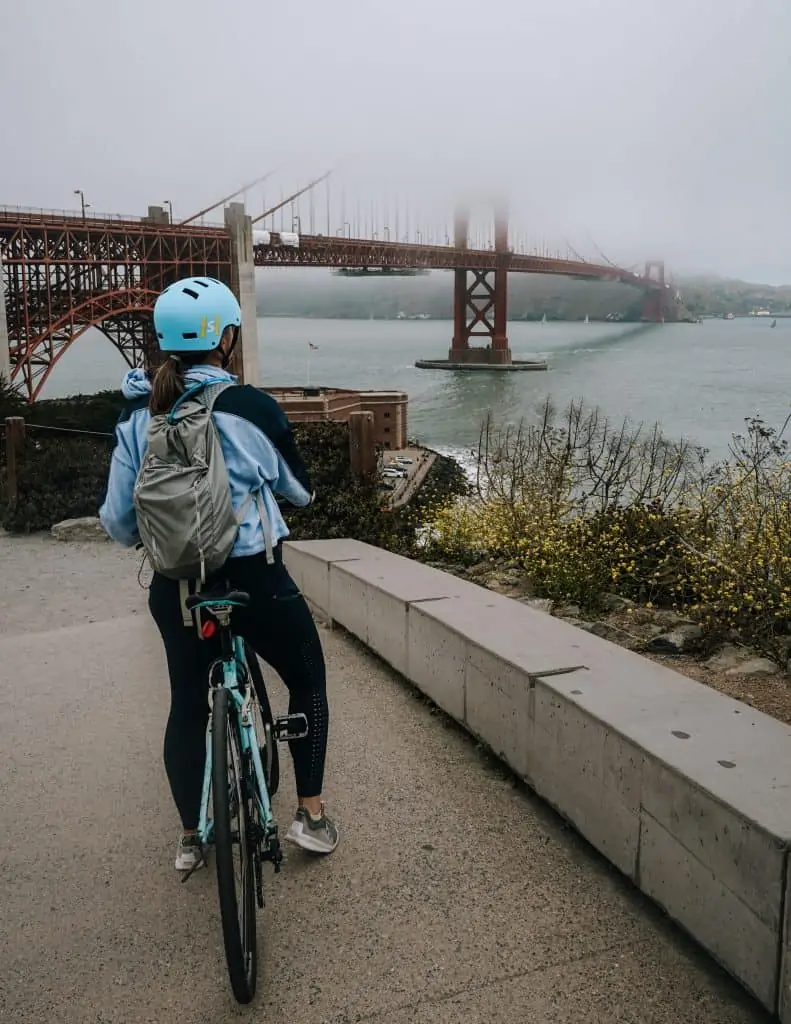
(685, 790)
(5, 353)
(785, 969)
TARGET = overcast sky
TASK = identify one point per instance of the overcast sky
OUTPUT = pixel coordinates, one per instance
(648, 128)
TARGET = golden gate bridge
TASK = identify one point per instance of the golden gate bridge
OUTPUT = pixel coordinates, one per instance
(65, 272)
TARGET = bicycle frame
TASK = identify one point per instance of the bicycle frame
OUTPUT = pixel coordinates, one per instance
(234, 665)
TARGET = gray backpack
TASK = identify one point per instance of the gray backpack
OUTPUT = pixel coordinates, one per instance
(182, 495)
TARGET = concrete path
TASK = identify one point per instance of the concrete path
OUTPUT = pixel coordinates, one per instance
(454, 897)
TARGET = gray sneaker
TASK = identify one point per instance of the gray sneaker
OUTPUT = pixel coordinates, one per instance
(189, 854)
(318, 835)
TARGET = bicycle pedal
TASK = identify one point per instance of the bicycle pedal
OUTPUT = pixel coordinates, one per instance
(290, 727)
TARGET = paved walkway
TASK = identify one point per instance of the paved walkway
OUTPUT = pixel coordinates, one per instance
(454, 897)
(422, 461)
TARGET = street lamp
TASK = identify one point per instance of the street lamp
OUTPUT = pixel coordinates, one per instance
(85, 206)
(169, 204)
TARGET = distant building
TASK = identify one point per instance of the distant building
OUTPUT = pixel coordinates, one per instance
(311, 405)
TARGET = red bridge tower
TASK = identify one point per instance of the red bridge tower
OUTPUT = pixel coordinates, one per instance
(654, 297)
(480, 306)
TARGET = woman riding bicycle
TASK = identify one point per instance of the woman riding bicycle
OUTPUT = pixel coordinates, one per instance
(197, 323)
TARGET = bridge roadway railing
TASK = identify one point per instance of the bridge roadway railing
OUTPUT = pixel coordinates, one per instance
(684, 790)
(29, 216)
(319, 250)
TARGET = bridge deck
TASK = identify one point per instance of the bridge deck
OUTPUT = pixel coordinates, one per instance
(454, 897)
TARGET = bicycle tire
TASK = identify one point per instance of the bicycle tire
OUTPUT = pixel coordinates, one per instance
(272, 777)
(239, 936)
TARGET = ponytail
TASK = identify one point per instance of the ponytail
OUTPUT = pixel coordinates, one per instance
(167, 385)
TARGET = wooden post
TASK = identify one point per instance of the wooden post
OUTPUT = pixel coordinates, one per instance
(14, 447)
(362, 450)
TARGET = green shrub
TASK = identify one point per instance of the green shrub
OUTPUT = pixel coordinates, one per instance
(587, 508)
(64, 476)
(59, 478)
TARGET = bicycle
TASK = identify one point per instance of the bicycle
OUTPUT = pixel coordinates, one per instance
(241, 775)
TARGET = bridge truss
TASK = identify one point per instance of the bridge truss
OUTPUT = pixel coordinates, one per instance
(64, 276)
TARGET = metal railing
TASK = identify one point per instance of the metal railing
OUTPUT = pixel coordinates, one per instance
(92, 215)
(68, 430)
(15, 429)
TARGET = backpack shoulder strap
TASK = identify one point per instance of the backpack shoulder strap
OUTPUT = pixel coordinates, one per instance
(209, 394)
(205, 394)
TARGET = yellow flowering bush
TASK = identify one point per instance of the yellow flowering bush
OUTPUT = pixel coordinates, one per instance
(711, 541)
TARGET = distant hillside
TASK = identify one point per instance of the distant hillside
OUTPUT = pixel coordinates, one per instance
(319, 294)
(312, 293)
(710, 295)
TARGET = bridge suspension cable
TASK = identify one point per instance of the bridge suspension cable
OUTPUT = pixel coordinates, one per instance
(292, 197)
(598, 250)
(225, 199)
(571, 249)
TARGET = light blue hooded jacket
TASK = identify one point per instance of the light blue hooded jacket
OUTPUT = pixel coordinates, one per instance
(257, 443)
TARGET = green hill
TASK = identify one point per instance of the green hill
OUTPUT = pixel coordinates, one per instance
(319, 293)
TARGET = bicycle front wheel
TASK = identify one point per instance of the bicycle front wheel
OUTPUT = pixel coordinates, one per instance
(234, 849)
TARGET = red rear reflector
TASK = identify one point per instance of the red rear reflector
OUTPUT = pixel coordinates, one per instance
(208, 629)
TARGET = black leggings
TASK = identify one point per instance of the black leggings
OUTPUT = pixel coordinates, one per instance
(279, 627)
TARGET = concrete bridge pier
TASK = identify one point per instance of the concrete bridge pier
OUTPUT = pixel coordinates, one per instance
(5, 351)
(240, 229)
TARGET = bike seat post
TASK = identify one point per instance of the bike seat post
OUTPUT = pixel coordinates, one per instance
(222, 612)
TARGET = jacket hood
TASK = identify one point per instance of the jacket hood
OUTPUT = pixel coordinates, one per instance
(136, 383)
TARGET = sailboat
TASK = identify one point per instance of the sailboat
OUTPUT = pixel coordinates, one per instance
(774, 323)
(544, 318)
(587, 319)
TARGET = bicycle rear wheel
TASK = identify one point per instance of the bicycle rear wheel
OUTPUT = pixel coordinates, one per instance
(234, 849)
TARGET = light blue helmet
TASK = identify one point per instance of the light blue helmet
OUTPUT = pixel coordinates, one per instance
(190, 315)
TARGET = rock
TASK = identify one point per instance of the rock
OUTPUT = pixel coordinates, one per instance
(677, 641)
(664, 617)
(88, 528)
(541, 604)
(753, 667)
(729, 657)
(511, 583)
(568, 611)
(497, 583)
(600, 629)
(615, 603)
